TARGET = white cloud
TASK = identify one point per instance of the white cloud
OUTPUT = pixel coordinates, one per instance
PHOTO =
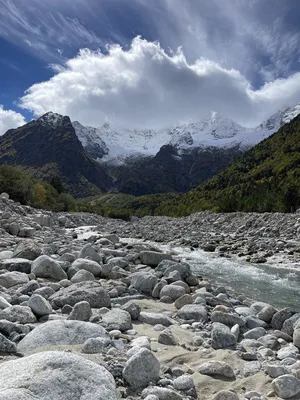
(10, 119)
(146, 87)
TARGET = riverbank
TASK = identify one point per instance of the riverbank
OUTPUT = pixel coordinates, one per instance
(88, 309)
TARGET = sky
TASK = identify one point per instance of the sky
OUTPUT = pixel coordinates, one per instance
(148, 64)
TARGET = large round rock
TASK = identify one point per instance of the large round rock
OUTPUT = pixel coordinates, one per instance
(193, 312)
(55, 375)
(60, 332)
(117, 319)
(46, 267)
(141, 369)
(92, 292)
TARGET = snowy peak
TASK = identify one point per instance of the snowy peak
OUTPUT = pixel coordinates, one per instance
(280, 118)
(52, 119)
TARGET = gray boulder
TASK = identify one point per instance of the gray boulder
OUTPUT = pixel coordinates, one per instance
(81, 311)
(88, 265)
(144, 282)
(153, 258)
(117, 319)
(39, 305)
(166, 337)
(217, 368)
(155, 319)
(82, 276)
(27, 249)
(172, 291)
(6, 346)
(60, 332)
(133, 308)
(89, 252)
(10, 279)
(183, 301)
(4, 303)
(55, 375)
(193, 312)
(282, 315)
(46, 267)
(20, 314)
(16, 264)
(225, 395)
(92, 292)
(160, 393)
(95, 345)
(286, 386)
(227, 319)
(141, 369)
(222, 336)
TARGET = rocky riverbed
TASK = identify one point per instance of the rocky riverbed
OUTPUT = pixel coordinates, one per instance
(86, 314)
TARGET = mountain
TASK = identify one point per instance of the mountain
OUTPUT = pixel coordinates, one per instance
(265, 179)
(174, 159)
(118, 146)
(49, 147)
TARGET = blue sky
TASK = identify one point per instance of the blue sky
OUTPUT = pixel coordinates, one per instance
(177, 60)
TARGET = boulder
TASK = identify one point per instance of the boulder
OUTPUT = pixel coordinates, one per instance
(155, 318)
(133, 308)
(282, 315)
(183, 301)
(16, 264)
(81, 311)
(60, 332)
(7, 346)
(55, 375)
(46, 267)
(225, 395)
(82, 276)
(217, 368)
(88, 265)
(92, 292)
(117, 319)
(144, 282)
(27, 249)
(172, 291)
(89, 252)
(39, 305)
(95, 345)
(141, 369)
(286, 386)
(20, 314)
(10, 279)
(160, 393)
(153, 258)
(222, 337)
(227, 319)
(166, 337)
(193, 312)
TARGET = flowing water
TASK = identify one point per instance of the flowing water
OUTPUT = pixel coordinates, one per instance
(276, 284)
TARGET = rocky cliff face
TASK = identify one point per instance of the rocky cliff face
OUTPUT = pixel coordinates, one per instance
(49, 147)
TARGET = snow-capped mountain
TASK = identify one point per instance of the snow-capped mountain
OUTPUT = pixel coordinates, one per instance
(116, 145)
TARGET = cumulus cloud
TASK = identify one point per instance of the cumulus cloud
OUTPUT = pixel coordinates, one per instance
(10, 119)
(145, 86)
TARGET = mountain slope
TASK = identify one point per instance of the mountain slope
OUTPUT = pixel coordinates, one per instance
(266, 178)
(49, 147)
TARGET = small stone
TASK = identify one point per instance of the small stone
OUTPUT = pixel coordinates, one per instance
(217, 368)
(166, 337)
